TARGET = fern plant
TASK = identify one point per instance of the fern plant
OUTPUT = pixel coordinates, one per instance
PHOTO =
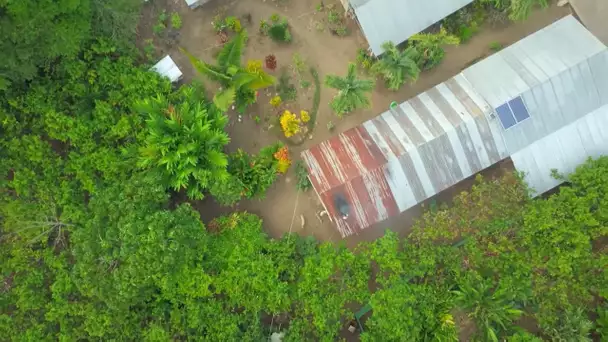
(239, 83)
(397, 67)
(185, 143)
(353, 93)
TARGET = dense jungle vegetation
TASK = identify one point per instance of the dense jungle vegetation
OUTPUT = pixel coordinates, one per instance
(93, 145)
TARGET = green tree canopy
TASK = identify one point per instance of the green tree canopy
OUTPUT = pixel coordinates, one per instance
(36, 33)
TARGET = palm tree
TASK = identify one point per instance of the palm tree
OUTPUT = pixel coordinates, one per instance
(185, 142)
(238, 83)
(430, 46)
(352, 92)
(397, 67)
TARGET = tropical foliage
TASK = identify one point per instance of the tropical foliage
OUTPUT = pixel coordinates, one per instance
(185, 142)
(250, 176)
(397, 67)
(94, 248)
(239, 84)
(430, 47)
(353, 93)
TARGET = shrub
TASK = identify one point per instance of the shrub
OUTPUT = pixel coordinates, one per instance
(283, 161)
(304, 116)
(271, 62)
(303, 182)
(496, 46)
(277, 29)
(250, 175)
(365, 60)
(430, 46)
(176, 21)
(290, 124)
(276, 101)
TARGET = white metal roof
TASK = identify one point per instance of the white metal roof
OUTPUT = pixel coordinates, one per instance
(397, 20)
(167, 67)
(563, 150)
(533, 60)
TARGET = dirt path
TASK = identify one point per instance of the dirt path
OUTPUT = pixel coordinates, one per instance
(329, 54)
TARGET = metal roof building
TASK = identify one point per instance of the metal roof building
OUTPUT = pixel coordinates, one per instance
(397, 20)
(166, 67)
(543, 102)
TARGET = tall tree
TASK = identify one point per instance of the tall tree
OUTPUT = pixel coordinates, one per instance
(397, 67)
(353, 93)
(35, 33)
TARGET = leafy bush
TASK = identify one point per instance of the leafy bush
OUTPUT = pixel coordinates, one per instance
(430, 46)
(303, 182)
(337, 23)
(365, 60)
(250, 176)
(185, 143)
(176, 21)
(496, 46)
(277, 29)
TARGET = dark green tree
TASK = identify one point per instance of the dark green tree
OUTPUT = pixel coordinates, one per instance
(36, 33)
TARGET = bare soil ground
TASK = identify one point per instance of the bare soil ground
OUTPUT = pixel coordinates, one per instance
(284, 206)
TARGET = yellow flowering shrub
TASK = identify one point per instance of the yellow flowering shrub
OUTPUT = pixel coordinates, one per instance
(276, 101)
(304, 116)
(290, 124)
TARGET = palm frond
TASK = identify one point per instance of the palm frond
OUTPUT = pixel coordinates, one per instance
(206, 69)
(223, 99)
(232, 51)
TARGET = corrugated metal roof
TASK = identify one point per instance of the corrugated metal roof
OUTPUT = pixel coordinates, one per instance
(405, 155)
(564, 150)
(450, 132)
(533, 60)
(560, 101)
(396, 21)
(166, 67)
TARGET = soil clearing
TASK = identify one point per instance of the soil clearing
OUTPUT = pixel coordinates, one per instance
(284, 208)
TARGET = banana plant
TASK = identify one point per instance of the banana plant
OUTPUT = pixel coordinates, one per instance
(239, 84)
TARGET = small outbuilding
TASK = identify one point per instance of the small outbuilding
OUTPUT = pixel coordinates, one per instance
(543, 102)
(166, 67)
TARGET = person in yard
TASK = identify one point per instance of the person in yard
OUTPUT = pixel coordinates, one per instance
(342, 205)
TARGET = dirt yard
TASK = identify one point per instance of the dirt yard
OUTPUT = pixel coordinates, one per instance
(284, 208)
